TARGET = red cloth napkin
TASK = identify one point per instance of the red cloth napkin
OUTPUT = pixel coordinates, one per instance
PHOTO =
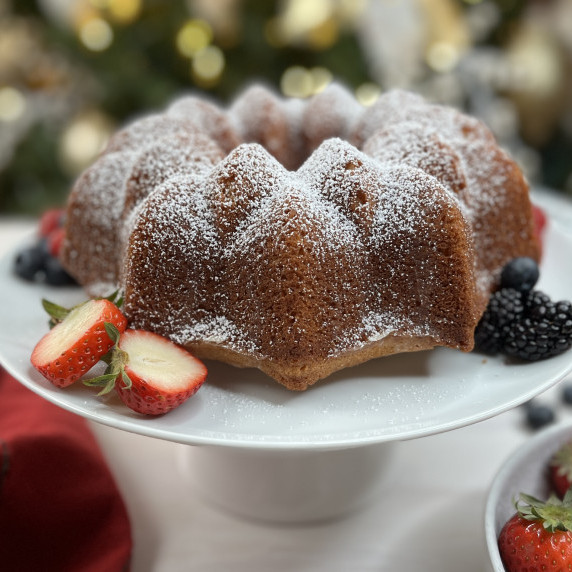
(60, 508)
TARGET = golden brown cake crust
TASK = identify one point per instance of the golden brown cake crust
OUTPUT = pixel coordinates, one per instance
(301, 237)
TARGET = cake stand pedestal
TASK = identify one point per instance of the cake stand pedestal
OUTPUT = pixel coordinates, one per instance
(286, 486)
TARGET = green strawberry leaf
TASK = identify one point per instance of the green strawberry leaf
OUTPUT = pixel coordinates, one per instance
(115, 298)
(106, 381)
(553, 514)
(127, 383)
(112, 332)
(106, 358)
(57, 313)
(100, 380)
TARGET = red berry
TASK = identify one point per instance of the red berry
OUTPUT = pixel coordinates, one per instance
(55, 239)
(538, 536)
(161, 374)
(561, 469)
(49, 221)
(72, 347)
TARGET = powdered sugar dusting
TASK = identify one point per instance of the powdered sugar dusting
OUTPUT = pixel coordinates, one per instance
(236, 241)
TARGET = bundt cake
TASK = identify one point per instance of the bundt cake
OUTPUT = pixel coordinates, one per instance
(301, 237)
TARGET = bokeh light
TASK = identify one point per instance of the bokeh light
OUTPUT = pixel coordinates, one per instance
(12, 104)
(83, 139)
(194, 36)
(124, 11)
(96, 34)
(368, 93)
(207, 66)
(442, 56)
(298, 81)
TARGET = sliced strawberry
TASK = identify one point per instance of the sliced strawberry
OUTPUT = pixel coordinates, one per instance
(157, 375)
(55, 239)
(77, 341)
(49, 221)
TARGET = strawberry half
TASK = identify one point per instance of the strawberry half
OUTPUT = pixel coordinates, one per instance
(151, 374)
(561, 469)
(538, 536)
(77, 341)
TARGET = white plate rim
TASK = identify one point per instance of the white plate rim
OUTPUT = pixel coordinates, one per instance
(340, 440)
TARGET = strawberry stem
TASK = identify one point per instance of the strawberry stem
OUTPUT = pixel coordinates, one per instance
(112, 332)
(554, 514)
(107, 381)
(127, 383)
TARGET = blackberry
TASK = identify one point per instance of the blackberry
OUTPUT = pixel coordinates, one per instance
(520, 273)
(504, 308)
(544, 331)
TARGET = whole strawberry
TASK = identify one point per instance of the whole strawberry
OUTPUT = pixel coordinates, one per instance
(538, 536)
(561, 469)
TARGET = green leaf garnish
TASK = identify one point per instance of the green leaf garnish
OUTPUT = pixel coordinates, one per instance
(127, 383)
(112, 332)
(106, 381)
(57, 313)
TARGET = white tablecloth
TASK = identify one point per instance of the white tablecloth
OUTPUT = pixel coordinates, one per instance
(428, 515)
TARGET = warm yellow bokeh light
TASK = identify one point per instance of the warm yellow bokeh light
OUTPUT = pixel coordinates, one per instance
(12, 104)
(96, 34)
(193, 37)
(324, 36)
(83, 140)
(321, 77)
(442, 56)
(301, 16)
(368, 93)
(296, 81)
(124, 11)
(207, 65)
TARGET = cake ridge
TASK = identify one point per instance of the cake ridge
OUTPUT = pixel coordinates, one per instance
(299, 246)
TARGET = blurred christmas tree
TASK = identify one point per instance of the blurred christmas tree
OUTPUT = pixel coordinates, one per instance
(71, 71)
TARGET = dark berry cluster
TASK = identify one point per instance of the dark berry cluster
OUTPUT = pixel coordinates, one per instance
(522, 322)
(39, 262)
(545, 329)
(505, 308)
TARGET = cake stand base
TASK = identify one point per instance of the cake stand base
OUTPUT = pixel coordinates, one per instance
(286, 486)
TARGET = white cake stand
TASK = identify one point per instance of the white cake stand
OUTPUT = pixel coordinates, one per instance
(263, 452)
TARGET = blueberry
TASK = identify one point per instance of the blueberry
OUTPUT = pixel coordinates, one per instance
(538, 416)
(56, 274)
(30, 262)
(567, 394)
(520, 273)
